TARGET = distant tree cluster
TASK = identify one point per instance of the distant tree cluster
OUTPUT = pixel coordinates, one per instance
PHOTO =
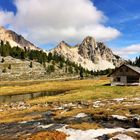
(42, 57)
(136, 62)
(19, 53)
(102, 72)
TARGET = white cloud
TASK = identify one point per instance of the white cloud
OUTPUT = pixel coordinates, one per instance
(125, 52)
(6, 17)
(45, 21)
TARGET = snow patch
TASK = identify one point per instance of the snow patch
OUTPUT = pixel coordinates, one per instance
(81, 115)
(88, 134)
(46, 126)
(119, 117)
(122, 137)
(118, 99)
(93, 134)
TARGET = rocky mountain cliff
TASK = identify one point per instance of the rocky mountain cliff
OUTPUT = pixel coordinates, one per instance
(89, 54)
(15, 40)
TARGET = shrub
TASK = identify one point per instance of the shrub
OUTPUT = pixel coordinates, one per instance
(4, 70)
(2, 61)
(9, 67)
(50, 68)
(31, 64)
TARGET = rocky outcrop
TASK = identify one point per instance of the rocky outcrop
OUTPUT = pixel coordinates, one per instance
(16, 40)
(96, 51)
(90, 54)
(87, 48)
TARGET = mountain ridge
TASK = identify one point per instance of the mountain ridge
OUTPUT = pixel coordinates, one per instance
(16, 40)
(90, 54)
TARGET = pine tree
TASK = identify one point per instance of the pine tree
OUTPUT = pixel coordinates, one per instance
(22, 55)
(50, 68)
(9, 67)
(49, 58)
(31, 64)
(70, 69)
(2, 60)
(61, 64)
(81, 73)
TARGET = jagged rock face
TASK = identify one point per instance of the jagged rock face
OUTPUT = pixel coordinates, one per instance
(96, 51)
(107, 54)
(65, 50)
(90, 54)
(16, 40)
(87, 48)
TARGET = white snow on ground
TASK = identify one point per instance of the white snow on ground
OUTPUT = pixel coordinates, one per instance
(80, 115)
(118, 99)
(98, 104)
(122, 137)
(119, 117)
(23, 122)
(136, 116)
(92, 134)
(46, 126)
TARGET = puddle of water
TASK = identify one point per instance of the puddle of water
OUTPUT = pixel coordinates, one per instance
(27, 96)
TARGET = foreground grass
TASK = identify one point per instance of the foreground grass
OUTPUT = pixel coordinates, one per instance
(31, 86)
(75, 90)
(84, 126)
(92, 91)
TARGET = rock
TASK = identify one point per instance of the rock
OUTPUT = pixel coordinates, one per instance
(90, 54)
(48, 113)
(16, 40)
(119, 117)
(104, 137)
(81, 115)
(122, 137)
(87, 48)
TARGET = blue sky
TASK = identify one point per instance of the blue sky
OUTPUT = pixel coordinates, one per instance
(123, 16)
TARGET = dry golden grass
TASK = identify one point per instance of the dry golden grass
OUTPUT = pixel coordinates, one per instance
(75, 90)
(135, 136)
(91, 92)
(74, 112)
(22, 115)
(31, 87)
(100, 112)
(47, 135)
(84, 126)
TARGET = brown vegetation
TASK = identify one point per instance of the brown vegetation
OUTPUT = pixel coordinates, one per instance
(48, 135)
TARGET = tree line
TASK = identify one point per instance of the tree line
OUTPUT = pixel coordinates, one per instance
(52, 58)
(136, 62)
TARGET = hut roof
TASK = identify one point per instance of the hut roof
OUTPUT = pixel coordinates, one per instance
(134, 68)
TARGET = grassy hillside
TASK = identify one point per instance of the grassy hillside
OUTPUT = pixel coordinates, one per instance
(74, 90)
(17, 69)
(95, 98)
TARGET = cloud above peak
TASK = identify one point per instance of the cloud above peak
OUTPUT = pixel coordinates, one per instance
(50, 21)
(128, 51)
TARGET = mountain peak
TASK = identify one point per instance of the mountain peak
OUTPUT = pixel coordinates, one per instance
(89, 54)
(63, 44)
(1, 27)
(88, 42)
(15, 39)
(89, 39)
